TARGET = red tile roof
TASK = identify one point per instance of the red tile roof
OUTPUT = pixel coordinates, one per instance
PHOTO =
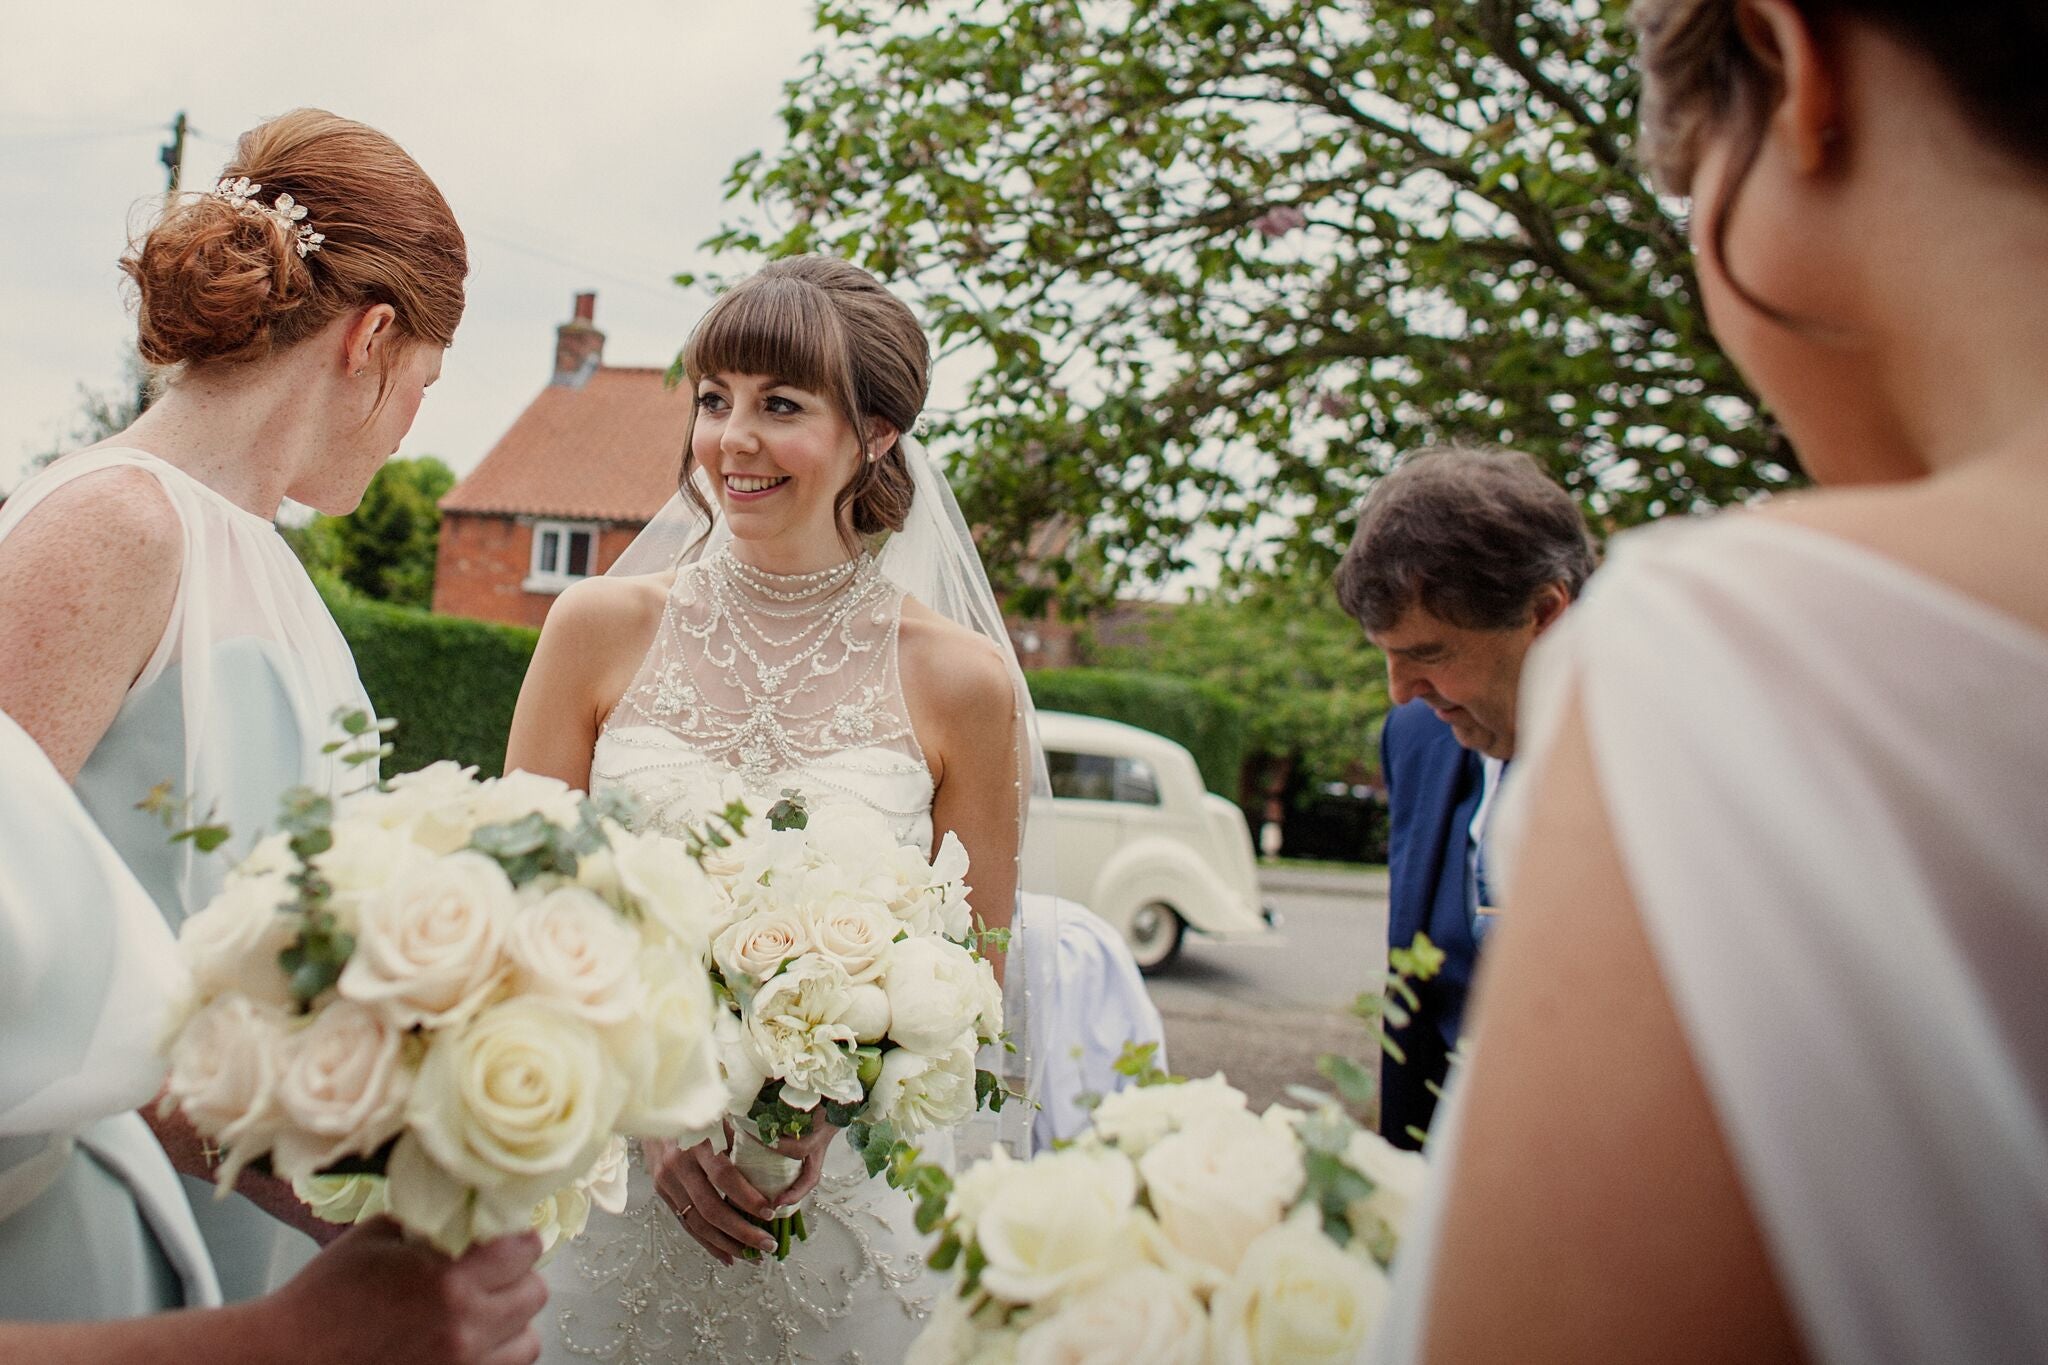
(608, 451)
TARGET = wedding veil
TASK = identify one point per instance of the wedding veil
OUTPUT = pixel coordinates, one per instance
(934, 560)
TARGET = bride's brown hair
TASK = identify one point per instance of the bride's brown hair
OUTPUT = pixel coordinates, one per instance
(1701, 73)
(825, 325)
(217, 285)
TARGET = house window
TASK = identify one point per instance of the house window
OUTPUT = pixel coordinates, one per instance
(563, 551)
(1101, 777)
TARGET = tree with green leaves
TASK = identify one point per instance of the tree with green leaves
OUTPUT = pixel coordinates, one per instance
(385, 548)
(1221, 261)
(1314, 692)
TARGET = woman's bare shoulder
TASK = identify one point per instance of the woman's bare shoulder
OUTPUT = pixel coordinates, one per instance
(950, 665)
(609, 610)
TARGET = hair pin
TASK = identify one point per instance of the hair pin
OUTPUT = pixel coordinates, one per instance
(241, 192)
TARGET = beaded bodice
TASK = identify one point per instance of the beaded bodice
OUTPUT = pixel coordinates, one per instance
(769, 683)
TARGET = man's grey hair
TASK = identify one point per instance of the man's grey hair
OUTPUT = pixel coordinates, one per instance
(1470, 534)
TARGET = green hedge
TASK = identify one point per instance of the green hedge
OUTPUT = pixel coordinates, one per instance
(1200, 715)
(450, 683)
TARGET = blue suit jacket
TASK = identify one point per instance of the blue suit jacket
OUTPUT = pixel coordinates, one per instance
(1433, 790)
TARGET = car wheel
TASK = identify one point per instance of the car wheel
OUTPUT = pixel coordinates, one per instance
(1155, 935)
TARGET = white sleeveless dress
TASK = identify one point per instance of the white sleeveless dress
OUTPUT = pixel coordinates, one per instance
(757, 685)
(1826, 776)
(232, 709)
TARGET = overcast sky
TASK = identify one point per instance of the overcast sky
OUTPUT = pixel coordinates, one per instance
(582, 146)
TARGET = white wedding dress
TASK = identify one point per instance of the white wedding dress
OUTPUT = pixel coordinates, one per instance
(756, 685)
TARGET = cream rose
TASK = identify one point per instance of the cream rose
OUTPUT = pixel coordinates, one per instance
(1297, 1299)
(517, 1103)
(606, 1183)
(224, 1066)
(343, 1086)
(1379, 1219)
(855, 933)
(951, 1336)
(344, 1198)
(938, 994)
(561, 1217)
(1057, 1223)
(796, 1034)
(233, 944)
(570, 946)
(516, 795)
(1140, 1313)
(1220, 1182)
(916, 1094)
(428, 950)
(1136, 1118)
(430, 807)
(669, 1051)
(364, 859)
(754, 949)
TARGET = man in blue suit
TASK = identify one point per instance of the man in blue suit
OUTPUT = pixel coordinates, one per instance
(1461, 559)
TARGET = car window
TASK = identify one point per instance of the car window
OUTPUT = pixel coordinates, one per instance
(1101, 777)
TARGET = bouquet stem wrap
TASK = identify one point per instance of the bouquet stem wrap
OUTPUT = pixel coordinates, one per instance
(770, 1172)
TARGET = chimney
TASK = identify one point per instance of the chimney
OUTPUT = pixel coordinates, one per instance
(579, 346)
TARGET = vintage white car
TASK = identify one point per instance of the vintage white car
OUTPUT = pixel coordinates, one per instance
(1138, 840)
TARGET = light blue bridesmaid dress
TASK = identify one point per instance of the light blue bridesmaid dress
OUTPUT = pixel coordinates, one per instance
(232, 709)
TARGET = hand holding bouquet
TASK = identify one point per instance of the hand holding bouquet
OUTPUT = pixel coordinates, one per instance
(452, 1005)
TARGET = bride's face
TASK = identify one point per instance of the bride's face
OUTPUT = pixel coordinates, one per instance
(777, 455)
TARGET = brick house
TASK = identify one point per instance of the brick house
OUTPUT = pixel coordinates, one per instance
(566, 488)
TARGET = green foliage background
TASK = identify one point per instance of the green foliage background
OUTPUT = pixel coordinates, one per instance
(384, 549)
(1199, 715)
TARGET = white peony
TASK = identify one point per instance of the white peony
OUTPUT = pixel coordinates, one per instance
(1138, 1314)
(1220, 1182)
(796, 1033)
(1136, 1118)
(343, 1086)
(1057, 1223)
(516, 1104)
(742, 1074)
(233, 944)
(868, 1014)
(669, 1053)
(671, 889)
(916, 1093)
(568, 945)
(224, 1066)
(856, 933)
(754, 949)
(938, 994)
(428, 950)
(1297, 1299)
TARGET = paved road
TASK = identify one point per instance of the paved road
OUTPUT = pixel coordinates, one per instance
(1264, 1011)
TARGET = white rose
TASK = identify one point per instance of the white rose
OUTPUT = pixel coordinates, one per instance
(796, 1033)
(559, 1218)
(364, 859)
(428, 949)
(938, 993)
(1141, 1313)
(975, 1188)
(951, 1336)
(570, 946)
(224, 1066)
(669, 1052)
(1136, 1118)
(670, 887)
(868, 1014)
(916, 1094)
(1220, 1182)
(233, 944)
(1296, 1297)
(517, 1103)
(1058, 1222)
(606, 1183)
(1379, 1219)
(430, 806)
(856, 934)
(755, 948)
(742, 1074)
(343, 1086)
(511, 798)
(343, 1198)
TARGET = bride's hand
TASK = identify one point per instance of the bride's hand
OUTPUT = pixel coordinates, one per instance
(711, 1199)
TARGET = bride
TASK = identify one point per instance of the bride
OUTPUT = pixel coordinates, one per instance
(776, 652)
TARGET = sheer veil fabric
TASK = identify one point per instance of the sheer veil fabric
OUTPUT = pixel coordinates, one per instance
(933, 559)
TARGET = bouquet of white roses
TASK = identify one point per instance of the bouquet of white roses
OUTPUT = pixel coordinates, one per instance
(451, 1005)
(1182, 1229)
(853, 985)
